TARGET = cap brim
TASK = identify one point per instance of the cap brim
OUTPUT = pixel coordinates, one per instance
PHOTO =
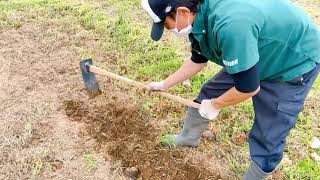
(157, 31)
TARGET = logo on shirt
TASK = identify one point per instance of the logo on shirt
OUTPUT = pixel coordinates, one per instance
(231, 63)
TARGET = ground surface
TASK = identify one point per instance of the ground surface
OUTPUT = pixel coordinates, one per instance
(51, 129)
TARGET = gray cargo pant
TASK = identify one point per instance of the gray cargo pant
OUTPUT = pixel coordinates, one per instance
(276, 108)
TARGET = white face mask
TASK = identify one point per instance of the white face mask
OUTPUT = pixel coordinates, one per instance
(183, 32)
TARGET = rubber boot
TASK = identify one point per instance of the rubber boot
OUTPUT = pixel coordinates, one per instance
(254, 172)
(193, 127)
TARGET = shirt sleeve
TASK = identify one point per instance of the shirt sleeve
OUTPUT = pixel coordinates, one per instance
(238, 43)
(198, 58)
(247, 81)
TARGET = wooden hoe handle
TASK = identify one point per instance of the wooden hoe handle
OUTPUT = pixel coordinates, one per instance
(175, 98)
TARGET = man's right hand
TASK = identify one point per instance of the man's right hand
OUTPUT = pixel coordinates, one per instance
(187, 70)
(157, 86)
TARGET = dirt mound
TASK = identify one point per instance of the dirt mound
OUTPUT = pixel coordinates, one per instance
(123, 133)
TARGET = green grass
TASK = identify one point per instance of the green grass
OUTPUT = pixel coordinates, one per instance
(90, 162)
(316, 85)
(40, 162)
(305, 169)
(124, 35)
(168, 140)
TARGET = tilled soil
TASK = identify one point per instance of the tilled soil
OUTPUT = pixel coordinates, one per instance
(122, 132)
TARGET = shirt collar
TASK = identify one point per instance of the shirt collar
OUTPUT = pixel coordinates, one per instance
(199, 25)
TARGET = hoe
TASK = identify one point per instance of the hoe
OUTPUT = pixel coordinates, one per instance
(89, 77)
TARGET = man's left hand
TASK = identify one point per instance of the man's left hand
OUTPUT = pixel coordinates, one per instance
(207, 110)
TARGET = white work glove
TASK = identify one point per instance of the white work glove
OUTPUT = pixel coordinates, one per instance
(207, 110)
(157, 86)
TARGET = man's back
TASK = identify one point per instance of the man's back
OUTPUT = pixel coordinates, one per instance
(288, 40)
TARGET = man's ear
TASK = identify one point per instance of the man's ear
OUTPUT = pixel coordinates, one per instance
(184, 11)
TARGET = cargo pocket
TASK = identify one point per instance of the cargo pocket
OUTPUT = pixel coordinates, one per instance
(289, 111)
(290, 108)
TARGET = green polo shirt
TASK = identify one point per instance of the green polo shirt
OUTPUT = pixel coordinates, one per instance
(275, 34)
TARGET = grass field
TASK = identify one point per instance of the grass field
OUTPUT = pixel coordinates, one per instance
(115, 33)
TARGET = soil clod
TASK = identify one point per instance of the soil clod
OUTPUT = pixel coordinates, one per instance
(240, 138)
(209, 135)
(132, 172)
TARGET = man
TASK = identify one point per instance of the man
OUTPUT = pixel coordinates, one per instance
(270, 51)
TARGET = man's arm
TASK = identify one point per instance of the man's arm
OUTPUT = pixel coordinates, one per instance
(239, 44)
(187, 70)
(247, 85)
(232, 97)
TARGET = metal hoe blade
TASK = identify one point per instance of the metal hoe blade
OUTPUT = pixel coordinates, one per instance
(89, 78)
